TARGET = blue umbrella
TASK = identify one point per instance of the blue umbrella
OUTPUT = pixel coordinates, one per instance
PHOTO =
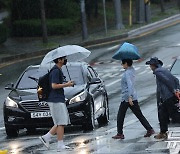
(127, 51)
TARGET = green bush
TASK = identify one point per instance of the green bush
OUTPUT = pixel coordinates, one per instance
(155, 1)
(33, 27)
(158, 1)
(3, 33)
(27, 28)
(30, 9)
(25, 9)
(62, 9)
(61, 26)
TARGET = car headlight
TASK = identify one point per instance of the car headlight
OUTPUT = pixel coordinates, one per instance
(9, 102)
(80, 97)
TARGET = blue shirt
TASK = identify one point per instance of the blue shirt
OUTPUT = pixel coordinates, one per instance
(56, 95)
(127, 85)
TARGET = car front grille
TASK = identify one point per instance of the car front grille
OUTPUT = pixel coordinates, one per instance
(35, 106)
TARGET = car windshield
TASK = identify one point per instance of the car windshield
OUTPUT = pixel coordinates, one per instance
(73, 73)
(26, 82)
(175, 69)
(29, 78)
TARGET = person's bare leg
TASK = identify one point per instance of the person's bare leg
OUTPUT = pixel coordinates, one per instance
(53, 130)
(60, 135)
(60, 132)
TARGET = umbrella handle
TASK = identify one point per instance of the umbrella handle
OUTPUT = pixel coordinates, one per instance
(68, 72)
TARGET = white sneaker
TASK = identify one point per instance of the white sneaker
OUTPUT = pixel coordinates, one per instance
(63, 147)
(46, 143)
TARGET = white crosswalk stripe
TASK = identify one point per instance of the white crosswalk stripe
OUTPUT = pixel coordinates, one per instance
(112, 70)
(143, 72)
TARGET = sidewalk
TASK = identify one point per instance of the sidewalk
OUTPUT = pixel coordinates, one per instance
(21, 48)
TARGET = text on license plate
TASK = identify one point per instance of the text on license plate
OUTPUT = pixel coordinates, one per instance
(40, 114)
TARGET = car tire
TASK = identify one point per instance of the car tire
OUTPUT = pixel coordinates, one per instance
(90, 123)
(11, 132)
(104, 119)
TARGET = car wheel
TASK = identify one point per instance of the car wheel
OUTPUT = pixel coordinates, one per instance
(103, 119)
(90, 123)
(11, 132)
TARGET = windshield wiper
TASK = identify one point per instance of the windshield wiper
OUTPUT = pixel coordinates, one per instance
(33, 78)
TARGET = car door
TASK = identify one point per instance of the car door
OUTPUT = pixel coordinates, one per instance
(96, 90)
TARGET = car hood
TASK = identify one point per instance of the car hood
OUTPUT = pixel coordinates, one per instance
(23, 95)
(72, 91)
(31, 94)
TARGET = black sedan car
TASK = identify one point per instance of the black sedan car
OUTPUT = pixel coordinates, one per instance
(175, 68)
(176, 72)
(86, 101)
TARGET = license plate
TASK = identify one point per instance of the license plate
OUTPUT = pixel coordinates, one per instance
(40, 114)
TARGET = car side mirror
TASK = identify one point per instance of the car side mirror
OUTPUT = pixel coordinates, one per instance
(9, 86)
(95, 81)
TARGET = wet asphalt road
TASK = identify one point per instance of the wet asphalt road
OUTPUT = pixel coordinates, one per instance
(164, 44)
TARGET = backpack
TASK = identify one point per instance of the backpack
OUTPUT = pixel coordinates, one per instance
(43, 88)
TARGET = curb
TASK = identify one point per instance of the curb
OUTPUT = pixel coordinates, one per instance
(139, 32)
(156, 26)
(98, 42)
(88, 45)
(24, 56)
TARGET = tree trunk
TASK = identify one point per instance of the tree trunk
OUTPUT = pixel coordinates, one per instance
(147, 11)
(118, 14)
(140, 11)
(162, 6)
(83, 20)
(43, 22)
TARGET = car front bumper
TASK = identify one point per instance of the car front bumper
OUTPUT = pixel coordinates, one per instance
(14, 117)
(17, 118)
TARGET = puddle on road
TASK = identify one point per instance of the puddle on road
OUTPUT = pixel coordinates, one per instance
(81, 142)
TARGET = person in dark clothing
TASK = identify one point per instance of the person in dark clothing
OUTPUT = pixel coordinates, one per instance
(56, 102)
(129, 100)
(167, 85)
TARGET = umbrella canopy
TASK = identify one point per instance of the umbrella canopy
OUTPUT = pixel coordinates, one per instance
(72, 52)
(127, 51)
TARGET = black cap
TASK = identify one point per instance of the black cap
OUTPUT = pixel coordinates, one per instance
(154, 61)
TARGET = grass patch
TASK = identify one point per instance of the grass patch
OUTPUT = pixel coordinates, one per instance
(50, 45)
